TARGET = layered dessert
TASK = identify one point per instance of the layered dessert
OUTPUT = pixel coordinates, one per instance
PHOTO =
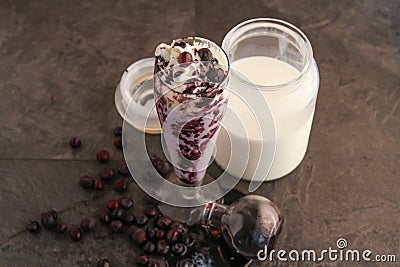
(189, 80)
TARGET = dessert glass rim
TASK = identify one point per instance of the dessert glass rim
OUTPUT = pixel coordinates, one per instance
(202, 40)
(233, 36)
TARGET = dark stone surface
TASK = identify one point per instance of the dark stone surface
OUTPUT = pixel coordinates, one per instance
(60, 63)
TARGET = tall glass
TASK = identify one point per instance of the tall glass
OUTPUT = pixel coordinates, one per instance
(191, 119)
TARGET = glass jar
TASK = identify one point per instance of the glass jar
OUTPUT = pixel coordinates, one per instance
(274, 58)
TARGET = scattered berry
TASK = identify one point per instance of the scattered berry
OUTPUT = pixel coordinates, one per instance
(118, 131)
(62, 227)
(98, 185)
(151, 212)
(120, 185)
(172, 236)
(142, 260)
(139, 236)
(116, 226)
(118, 214)
(160, 165)
(132, 229)
(88, 224)
(33, 227)
(126, 203)
(129, 219)
(179, 249)
(118, 142)
(149, 248)
(142, 220)
(102, 155)
(163, 222)
(86, 182)
(75, 142)
(122, 168)
(188, 239)
(104, 263)
(162, 247)
(113, 204)
(75, 234)
(179, 227)
(49, 219)
(160, 233)
(107, 174)
(151, 233)
(105, 217)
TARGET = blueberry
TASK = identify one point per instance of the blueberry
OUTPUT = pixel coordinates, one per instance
(151, 212)
(162, 247)
(142, 260)
(149, 248)
(33, 227)
(188, 239)
(142, 220)
(126, 203)
(75, 142)
(151, 233)
(129, 219)
(62, 227)
(121, 185)
(163, 222)
(75, 234)
(139, 236)
(179, 249)
(113, 204)
(118, 142)
(118, 131)
(160, 233)
(118, 214)
(107, 174)
(98, 185)
(116, 226)
(88, 224)
(49, 219)
(179, 227)
(102, 155)
(172, 236)
(105, 217)
(122, 168)
(86, 182)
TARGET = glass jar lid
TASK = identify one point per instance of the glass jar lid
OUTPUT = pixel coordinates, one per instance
(134, 98)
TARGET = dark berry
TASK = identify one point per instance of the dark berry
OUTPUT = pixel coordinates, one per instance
(179, 249)
(107, 174)
(185, 263)
(118, 142)
(205, 54)
(75, 234)
(179, 227)
(129, 219)
(122, 168)
(142, 260)
(126, 203)
(151, 212)
(132, 229)
(105, 217)
(98, 185)
(120, 185)
(139, 236)
(102, 155)
(172, 236)
(185, 57)
(113, 204)
(188, 239)
(33, 227)
(118, 131)
(49, 219)
(75, 142)
(104, 263)
(149, 248)
(163, 222)
(160, 233)
(86, 182)
(118, 214)
(88, 224)
(160, 165)
(62, 227)
(142, 220)
(116, 226)
(162, 247)
(151, 233)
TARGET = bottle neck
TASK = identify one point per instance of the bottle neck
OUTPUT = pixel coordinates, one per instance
(212, 216)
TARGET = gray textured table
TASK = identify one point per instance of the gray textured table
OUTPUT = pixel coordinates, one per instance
(60, 63)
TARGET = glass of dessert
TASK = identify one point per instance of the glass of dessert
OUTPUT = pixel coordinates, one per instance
(189, 90)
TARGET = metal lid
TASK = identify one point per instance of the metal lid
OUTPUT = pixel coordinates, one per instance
(134, 98)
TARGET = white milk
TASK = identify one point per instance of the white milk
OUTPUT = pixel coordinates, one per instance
(292, 110)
